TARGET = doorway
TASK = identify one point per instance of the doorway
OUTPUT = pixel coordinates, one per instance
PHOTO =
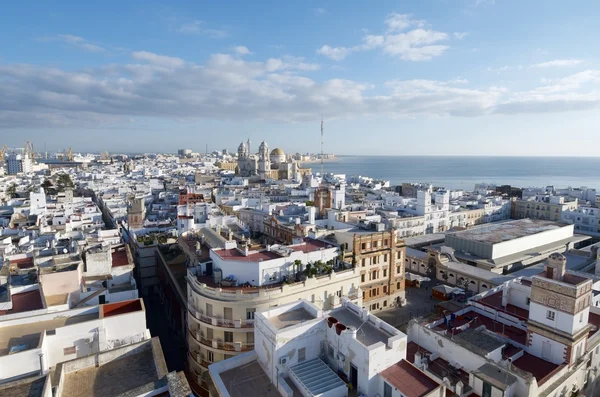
(354, 377)
(546, 350)
(102, 299)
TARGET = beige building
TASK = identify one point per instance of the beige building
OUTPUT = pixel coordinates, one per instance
(221, 311)
(550, 209)
(379, 257)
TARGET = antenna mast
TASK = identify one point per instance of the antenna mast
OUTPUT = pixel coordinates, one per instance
(321, 147)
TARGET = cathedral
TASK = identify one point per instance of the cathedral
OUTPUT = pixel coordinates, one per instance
(265, 165)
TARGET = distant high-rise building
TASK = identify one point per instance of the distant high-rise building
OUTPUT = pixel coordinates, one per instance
(18, 163)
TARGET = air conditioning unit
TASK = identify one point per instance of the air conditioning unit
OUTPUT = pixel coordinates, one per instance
(283, 360)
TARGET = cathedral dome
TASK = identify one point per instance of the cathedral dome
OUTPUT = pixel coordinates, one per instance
(277, 156)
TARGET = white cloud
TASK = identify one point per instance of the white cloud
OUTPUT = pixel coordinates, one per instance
(400, 22)
(460, 35)
(504, 68)
(417, 44)
(76, 41)
(241, 50)
(159, 60)
(335, 53)
(274, 90)
(320, 11)
(558, 63)
(199, 27)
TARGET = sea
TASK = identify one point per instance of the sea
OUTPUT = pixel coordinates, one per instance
(455, 172)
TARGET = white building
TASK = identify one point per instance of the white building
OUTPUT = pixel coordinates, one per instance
(35, 343)
(301, 350)
(226, 287)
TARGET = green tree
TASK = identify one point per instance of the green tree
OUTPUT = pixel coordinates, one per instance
(64, 181)
(46, 184)
(12, 190)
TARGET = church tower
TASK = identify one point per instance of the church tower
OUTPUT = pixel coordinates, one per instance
(264, 162)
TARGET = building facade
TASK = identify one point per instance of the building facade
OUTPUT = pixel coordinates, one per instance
(221, 311)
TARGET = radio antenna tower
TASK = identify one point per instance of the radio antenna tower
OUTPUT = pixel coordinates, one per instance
(321, 147)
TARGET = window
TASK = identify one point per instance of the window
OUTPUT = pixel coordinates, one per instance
(385, 289)
(364, 246)
(362, 278)
(250, 314)
(249, 337)
(375, 260)
(374, 275)
(528, 301)
(364, 295)
(211, 356)
(228, 336)
(487, 390)
(330, 351)
(384, 272)
(550, 315)
(581, 317)
(209, 310)
(301, 354)
(363, 262)
(398, 285)
(209, 333)
(228, 313)
(385, 257)
(398, 269)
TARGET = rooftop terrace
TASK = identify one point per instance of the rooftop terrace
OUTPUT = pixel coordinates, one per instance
(291, 318)
(24, 302)
(368, 334)
(249, 377)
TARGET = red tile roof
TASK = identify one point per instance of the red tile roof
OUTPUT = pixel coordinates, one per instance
(594, 319)
(512, 333)
(495, 301)
(23, 263)
(539, 368)
(310, 245)
(119, 258)
(25, 302)
(409, 380)
(235, 255)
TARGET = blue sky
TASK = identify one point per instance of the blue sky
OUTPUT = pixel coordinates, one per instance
(436, 77)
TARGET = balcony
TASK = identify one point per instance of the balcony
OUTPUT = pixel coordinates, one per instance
(219, 344)
(219, 322)
(198, 357)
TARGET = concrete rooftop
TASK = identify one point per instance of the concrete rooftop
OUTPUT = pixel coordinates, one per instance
(506, 231)
(368, 334)
(291, 318)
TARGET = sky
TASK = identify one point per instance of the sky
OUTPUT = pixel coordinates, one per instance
(420, 77)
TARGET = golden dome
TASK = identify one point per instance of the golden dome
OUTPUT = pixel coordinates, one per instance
(277, 152)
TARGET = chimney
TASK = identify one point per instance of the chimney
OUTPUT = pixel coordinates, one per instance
(418, 359)
(458, 389)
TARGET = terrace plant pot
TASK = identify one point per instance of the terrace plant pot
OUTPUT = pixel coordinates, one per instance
(331, 321)
(339, 327)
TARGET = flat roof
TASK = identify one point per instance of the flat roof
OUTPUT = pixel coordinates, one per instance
(29, 387)
(316, 376)
(291, 318)
(409, 380)
(249, 379)
(479, 338)
(494, 375)
(114, 378)
(29, 334)
(368, 334)
(506, 231)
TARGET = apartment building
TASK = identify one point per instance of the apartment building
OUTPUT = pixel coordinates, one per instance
(225, 291)
(303, 350)
(543, 207)
(379, 257)
(535, 336)
(585, 218)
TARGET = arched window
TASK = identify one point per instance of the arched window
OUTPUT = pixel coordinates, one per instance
(484, 286)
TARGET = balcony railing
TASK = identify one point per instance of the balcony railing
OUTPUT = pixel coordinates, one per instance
(198, 357)
(217, 321)
(219, 344)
